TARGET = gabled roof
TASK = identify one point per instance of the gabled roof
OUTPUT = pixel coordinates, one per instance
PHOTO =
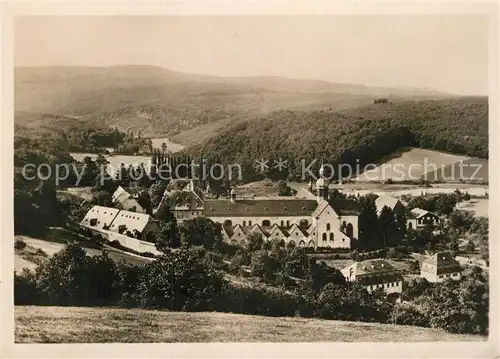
(419, 212)
(238, 232)
(132, 220)
(340, 206)
(276, 229)
(270, 207)
(372, 266)
(103, 215)
(296, 232)
(258, 229)
(386, 201)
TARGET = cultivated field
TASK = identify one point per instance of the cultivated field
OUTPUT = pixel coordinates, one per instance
(410, 164)
(36, 324)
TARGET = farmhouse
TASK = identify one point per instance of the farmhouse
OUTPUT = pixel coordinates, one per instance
(294, 221)
(439, 267)
(375, 274)
(420, 218)
(137, 225)
(183, 199)
(127, 199)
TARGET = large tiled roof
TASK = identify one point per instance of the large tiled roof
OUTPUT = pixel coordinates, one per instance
(345, 207)
(132, 220)
(102, 216)
(262, 208)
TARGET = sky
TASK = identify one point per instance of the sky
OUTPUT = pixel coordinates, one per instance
(441, 52)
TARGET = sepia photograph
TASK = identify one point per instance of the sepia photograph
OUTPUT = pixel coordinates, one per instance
(251, 178)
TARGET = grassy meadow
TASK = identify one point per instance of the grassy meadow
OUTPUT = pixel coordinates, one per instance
(37, 324)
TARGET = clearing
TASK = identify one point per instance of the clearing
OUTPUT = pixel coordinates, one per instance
(37, 324)
(412, 164)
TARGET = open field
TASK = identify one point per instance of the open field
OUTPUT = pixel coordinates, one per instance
(410, 164)
(36, 324)
(479, 207)
(51, 247)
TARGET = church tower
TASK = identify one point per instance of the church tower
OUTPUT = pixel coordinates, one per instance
(322, 185)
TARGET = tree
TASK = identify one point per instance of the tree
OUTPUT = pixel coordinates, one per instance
(254, 242)
(264, 265)
(386, 224)
(470, 247)
(164, 213)
(200, 231)
(168, 236)
(368, 221)
(285, 190)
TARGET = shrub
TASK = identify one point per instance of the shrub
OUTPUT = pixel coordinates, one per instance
(19, 244)
(180, 281)
(25, 289)
(409, 315)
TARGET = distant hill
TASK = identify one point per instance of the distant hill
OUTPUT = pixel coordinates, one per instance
(158, 101)
(365, 133)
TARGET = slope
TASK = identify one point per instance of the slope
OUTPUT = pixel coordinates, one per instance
(357, 136)
(158, 101)
(110, 325)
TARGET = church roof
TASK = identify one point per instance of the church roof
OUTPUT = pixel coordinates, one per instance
(269, 207)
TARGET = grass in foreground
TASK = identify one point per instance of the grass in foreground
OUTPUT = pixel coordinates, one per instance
(36, 324)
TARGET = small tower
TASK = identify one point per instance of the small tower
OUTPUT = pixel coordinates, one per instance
(322, 185)
(233, 196)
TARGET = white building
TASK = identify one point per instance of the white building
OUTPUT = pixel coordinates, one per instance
(439, 267)
(292, 221)
(137, 225)
(419, 218)
(127, 199)
(375, 274)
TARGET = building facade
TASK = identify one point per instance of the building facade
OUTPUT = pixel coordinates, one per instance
(375, 274)
(440, 267)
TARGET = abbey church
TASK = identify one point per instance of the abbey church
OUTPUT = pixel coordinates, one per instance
(309, 221)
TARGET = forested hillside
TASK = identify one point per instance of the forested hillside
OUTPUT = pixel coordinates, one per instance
(366, 133)
(158, 101)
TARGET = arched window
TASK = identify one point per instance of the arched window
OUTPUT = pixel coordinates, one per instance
(349, 230)
(288, 223)
(324, 237)
(282, 223)
(328, 226)
(302, 244)
(410, 225)
(291, 244)
(311, 244)
(249, 223)
(331, 237)
(266, 223)
(282, 243)
(244, 223)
